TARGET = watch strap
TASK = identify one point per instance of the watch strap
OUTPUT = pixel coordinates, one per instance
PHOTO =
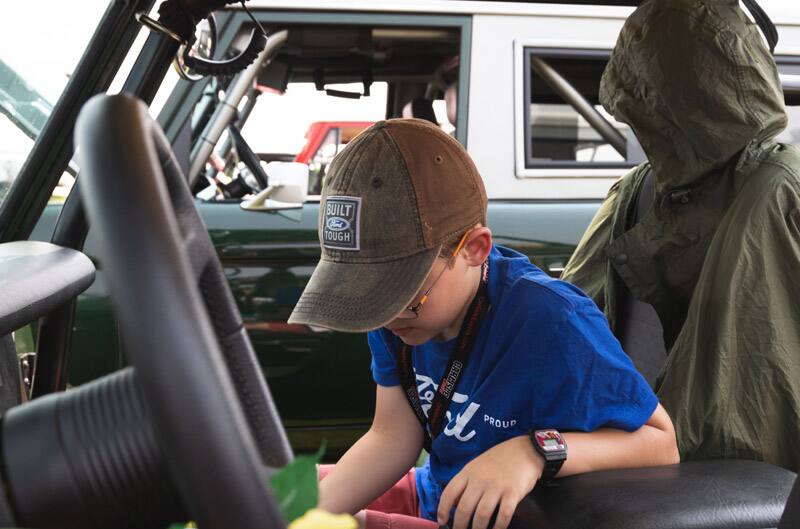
(551, 468)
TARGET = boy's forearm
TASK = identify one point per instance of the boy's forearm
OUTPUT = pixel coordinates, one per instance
(606, 448)
(651, 445)
(369, 468)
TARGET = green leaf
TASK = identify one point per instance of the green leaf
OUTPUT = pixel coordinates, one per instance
(183, 525)
(295, 485)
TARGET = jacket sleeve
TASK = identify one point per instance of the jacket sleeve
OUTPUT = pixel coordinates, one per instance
(588, 266)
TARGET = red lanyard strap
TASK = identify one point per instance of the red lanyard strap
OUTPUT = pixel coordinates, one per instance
(432, 426)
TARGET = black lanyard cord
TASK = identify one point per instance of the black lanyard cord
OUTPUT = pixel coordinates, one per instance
(478, 308)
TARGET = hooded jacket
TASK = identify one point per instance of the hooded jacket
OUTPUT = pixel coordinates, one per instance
(718, 253)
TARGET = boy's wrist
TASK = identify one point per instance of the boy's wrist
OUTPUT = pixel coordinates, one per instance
(531, 455)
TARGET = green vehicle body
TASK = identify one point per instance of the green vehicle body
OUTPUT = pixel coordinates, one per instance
(321, 381)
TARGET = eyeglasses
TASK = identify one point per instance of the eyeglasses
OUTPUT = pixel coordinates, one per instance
(414, 309)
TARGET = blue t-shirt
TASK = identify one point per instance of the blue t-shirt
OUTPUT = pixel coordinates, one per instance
(544, 357)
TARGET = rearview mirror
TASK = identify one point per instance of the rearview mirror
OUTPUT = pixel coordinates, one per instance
(287, 189)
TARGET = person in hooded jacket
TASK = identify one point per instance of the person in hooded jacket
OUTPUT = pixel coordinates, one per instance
(717, 255)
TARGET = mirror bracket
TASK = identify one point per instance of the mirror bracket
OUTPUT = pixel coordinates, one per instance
(262, 201)
(288, 188)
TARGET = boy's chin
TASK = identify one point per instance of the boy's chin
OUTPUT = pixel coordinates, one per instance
(414, 338)
(412, 341)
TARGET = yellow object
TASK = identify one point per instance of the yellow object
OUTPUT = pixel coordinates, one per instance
(319, 519)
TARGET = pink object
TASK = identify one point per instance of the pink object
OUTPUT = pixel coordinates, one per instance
(397, 508)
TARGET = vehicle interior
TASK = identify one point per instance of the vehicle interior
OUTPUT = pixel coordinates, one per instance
(415, 64)
(190, 430)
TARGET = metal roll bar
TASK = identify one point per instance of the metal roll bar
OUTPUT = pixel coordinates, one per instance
(566, 91)
(227, 110)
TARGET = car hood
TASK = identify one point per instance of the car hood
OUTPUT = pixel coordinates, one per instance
(697, 85)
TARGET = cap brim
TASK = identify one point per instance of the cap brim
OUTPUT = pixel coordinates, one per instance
(357, 297)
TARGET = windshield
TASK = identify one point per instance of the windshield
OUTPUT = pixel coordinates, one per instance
(40, 46)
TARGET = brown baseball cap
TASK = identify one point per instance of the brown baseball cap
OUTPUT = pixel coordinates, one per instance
(390, 199)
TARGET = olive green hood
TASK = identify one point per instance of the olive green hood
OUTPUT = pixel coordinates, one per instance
(714, 245)
(695, 82)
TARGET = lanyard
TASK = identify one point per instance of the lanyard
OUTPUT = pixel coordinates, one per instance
(455, 366)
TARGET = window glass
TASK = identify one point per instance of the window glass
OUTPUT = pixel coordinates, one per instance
(791, 134)
(67, 179)
(291, 120)
(35, 66)
(306, 125)
(279, 122)
(558, 132)
(558, 135)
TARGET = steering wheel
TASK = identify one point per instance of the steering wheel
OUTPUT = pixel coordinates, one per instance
(212, 411)
(249, 158)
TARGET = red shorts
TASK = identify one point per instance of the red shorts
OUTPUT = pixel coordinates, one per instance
(397, 508)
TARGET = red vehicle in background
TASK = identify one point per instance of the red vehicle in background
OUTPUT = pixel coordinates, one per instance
(324, 140)
(329, 133)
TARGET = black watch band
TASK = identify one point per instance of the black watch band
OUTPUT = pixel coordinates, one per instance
(552, 447)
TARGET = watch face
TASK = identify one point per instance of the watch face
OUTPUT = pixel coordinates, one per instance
(550, 441)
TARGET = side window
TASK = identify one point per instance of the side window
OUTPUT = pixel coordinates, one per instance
(298, 124)
(31, 81)
(314, 126)
(564, 123)
(33, 76)
(322, 87)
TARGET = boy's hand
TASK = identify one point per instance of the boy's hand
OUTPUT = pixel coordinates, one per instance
(501, 476)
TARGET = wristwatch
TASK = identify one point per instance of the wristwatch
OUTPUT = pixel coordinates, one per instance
(551, 445)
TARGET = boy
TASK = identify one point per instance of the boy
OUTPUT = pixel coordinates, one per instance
(473, 341)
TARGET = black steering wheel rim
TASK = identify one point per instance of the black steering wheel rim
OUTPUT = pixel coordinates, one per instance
(248, 157)
(212, 411)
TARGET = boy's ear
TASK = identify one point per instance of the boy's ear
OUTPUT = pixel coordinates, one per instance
(477, 246)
